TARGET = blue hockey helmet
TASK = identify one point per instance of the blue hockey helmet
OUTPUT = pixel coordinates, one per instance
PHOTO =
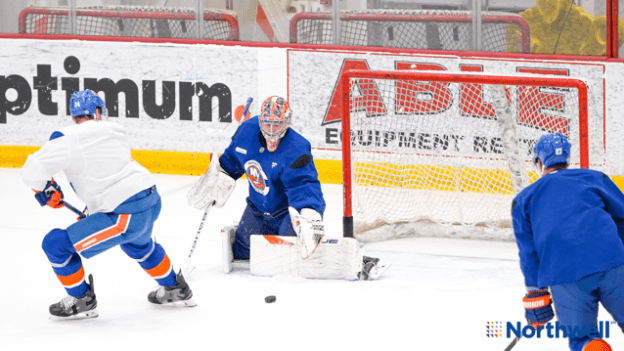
(84, 103)
(552, 149)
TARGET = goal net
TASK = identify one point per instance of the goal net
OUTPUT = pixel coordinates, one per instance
(414, 29)
(452, 149)
(130, 21)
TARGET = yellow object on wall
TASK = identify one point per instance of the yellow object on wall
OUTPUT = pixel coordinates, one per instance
(557, 28)
(560, 27)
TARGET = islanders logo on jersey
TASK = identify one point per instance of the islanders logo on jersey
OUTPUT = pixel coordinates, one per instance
(257, 177)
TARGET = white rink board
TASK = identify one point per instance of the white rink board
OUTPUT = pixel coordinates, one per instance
(326, 67)
(308, 78)
(234, 67)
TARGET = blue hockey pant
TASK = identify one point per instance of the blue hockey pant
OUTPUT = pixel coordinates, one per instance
(254, 221)
(577, 304)
(102, 231)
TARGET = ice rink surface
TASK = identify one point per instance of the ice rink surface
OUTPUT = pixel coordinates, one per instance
(439, 294)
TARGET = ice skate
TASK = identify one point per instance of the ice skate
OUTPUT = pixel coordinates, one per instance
(372, 268)
(178, 295)
(75, 308)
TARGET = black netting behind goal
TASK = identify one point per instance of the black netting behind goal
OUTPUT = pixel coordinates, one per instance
(130, 21)
(414, 29)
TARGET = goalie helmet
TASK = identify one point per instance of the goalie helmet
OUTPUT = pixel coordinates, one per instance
(84, 103)
(275, 117)
(552, 149)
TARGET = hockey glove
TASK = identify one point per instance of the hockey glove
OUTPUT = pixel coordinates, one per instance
(309, 228)
(214, 187)
(51, 195)
(538, 306)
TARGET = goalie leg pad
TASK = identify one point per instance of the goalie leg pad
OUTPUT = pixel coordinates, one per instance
(228, 235)
(273, 255)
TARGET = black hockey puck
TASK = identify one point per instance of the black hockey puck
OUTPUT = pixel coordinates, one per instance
(270, 299)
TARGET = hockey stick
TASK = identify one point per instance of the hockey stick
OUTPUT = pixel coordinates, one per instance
(80, 214)
(514, 341)
(188, 266)
(512, 344)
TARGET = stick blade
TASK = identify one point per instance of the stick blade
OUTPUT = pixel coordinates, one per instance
(189, 267)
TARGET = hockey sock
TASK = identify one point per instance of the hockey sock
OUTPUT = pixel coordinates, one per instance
(71, 274)
(155, 262)
(66, 263)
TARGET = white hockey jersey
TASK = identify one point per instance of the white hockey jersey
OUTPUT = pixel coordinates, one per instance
(95, 157)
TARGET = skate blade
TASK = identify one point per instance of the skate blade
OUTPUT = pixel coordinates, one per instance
(379, 269)
(77, 317)
(187, 303)
(182, 303)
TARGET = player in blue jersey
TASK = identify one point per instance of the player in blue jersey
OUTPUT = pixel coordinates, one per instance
(279, 178)
(285, 196)
(569, 227)
(121, 198)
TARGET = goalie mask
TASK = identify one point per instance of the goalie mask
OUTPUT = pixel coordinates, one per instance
(275, 116)
(84, 103)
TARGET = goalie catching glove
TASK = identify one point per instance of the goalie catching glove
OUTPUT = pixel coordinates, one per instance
(51, 195)
(309, 228)
(214, 187)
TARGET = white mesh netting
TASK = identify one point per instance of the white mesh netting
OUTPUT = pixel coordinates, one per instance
(435, 152)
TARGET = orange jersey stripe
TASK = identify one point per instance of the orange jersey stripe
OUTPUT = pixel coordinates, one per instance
(72, 279)
(103, 235)
(162, 268)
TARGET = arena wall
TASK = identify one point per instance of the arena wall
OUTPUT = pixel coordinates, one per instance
(178, 100)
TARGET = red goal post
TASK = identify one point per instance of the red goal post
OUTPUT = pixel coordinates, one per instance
(408, 145)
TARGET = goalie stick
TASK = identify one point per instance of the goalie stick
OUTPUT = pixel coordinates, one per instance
(189, 266)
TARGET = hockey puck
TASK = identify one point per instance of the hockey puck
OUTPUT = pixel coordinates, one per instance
(270, 299)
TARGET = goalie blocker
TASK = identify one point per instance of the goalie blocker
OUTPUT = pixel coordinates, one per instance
(273, 255)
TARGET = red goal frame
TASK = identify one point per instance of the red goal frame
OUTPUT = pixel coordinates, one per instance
(541, 81)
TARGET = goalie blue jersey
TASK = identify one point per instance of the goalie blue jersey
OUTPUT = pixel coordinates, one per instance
(568, 224)
(285, 177)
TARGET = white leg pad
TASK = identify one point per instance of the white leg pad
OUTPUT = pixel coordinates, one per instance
(273, 255)
(228, 235)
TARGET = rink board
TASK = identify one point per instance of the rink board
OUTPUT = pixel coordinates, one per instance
(177, 100)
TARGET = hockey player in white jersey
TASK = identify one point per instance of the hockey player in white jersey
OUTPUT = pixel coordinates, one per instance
(122, 201)
(285, 196)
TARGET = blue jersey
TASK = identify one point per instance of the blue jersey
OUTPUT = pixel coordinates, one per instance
(568, 224)
(285, 177)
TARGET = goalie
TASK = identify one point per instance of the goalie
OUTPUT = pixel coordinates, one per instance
(285, 196)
